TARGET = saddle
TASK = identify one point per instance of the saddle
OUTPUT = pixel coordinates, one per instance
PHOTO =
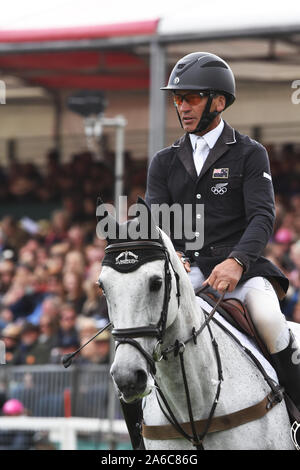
(236, 313)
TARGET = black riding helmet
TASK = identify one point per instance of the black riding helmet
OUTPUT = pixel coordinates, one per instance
(203, 71)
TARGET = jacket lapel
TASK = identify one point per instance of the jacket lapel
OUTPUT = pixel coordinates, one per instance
(185, 155)
(185, 151)
(222, 145)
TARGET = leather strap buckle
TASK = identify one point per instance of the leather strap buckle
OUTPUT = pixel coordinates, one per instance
(276, 396)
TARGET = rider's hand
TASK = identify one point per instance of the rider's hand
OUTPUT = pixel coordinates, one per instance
(185, 263)
(225, 275)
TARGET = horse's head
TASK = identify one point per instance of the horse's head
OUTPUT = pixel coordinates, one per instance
(140, 285)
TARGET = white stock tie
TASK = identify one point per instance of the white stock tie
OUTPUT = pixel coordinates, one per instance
(200, 154)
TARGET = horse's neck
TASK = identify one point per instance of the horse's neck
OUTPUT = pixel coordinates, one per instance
(200, 361)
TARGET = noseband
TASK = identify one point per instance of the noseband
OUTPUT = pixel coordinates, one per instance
(126, 335)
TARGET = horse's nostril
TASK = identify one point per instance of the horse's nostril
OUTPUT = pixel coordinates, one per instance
(130, 383)
(141, 379)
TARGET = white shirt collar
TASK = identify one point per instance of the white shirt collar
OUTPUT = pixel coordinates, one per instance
(210, 137)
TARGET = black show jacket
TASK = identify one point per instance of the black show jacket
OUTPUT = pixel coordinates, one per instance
(236, 191)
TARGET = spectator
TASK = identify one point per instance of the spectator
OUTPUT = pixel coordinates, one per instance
(66, 339)
(294, 276)
(10, 335)
(95, 304)
(55, 262)
(292, 298)
(76, 237)
(12, 235)
(94, 254)
(102, 343)
(15, 440)
(49, 306)
(59, 228)
(97, 351)
(75, 262)
(6, 316)
(30, 351)
(296, 313)
(7, 272)
(48, 330)
(55, 285)
(74, 293)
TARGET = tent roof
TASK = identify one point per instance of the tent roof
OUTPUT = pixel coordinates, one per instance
(91, 44)
(78, 19)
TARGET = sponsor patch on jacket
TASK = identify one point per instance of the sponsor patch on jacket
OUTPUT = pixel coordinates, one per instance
(220, 173)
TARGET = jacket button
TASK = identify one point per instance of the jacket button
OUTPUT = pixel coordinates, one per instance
(198, 216)
(198, 196)
(196, 253)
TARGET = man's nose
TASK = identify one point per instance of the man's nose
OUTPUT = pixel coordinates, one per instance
(184, 106)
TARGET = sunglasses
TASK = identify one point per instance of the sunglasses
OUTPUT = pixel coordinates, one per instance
(192, 98)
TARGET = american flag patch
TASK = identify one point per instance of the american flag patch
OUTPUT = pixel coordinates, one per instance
(221, 173)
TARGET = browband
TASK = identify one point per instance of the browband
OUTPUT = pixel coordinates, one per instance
(136, 245)
(130, 255)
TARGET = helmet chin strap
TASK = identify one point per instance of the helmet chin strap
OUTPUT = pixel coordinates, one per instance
(206, 118)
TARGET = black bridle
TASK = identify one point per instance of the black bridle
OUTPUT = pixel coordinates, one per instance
(127, 335)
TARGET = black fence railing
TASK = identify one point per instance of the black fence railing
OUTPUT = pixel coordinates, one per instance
(51, 390)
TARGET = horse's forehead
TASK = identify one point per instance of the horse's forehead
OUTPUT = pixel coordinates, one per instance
(128, 293)
(115, 279)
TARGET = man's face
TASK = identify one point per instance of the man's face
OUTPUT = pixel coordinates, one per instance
(67, 320)
(191, 108)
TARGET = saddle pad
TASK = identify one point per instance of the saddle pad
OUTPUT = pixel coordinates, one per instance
(245, 340)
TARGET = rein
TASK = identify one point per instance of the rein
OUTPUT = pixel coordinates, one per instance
(178, 348)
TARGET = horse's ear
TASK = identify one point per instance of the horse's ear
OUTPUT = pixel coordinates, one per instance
(140, 200)
(107, 225)
(152, 229)
(99, 203)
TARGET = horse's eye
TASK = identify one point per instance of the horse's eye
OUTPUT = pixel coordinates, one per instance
(155, 284)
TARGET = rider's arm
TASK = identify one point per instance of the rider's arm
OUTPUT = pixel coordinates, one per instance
(157, 182)
(259, 207)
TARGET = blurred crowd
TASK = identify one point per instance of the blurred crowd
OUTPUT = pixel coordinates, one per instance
(50, 303)
(74, 185)
(284, 247)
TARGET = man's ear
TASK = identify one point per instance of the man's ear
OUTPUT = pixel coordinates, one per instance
(220, 102)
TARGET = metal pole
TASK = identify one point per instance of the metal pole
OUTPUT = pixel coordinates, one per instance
(119, 123)
(93, 128)
(157, 117)
(58, 122)
(119, 165)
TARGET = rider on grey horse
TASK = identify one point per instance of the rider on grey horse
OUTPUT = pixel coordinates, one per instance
(229, 173)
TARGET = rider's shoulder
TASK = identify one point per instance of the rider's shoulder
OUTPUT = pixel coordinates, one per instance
(167, 152)
(248, 142)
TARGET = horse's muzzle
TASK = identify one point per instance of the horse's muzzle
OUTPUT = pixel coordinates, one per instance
(131, 384)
